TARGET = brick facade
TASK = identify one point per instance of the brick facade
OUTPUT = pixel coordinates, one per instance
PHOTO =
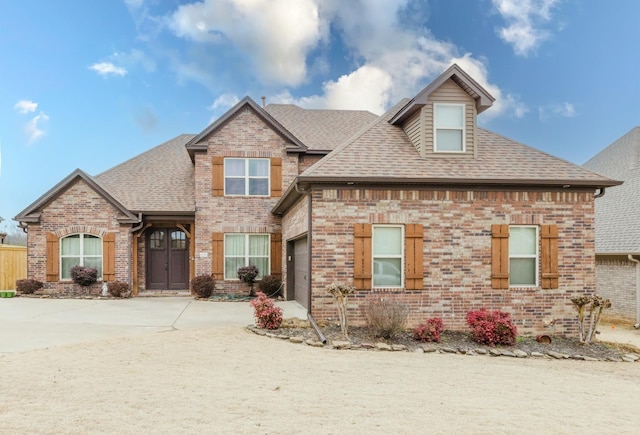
(79, 209)
(616, 280)
(457, 252)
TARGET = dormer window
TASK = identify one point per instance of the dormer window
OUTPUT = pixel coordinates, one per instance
(449, 128)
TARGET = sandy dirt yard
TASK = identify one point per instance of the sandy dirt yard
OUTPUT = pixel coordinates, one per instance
(228, 380)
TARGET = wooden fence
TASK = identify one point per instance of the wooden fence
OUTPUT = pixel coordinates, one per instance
(13, 265)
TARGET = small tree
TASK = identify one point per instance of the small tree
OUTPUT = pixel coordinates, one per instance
(340, 292)
(248, 274)
(84, 276)
(597, 305)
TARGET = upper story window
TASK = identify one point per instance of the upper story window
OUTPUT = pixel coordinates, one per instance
(449, 128)
(387, 256)
(248, 177)
(80, 250)
(523, 256)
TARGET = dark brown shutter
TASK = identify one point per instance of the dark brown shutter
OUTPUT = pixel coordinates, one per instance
(217, 256)
(500, 256)
(276, 176)
(276, 255)
(362, 256)
(549, 255)
(109, 257)
(217, 176)
(53, 258)
(413, 256)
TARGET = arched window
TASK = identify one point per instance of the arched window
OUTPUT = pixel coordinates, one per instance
(80, 250)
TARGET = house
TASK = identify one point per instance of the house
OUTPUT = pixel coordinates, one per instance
(420, 205)
(618, 226)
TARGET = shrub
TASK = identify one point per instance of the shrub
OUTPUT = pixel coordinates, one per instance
(270, 285)
(28, 286)
(118, 289)
(84, 276)
(492, 327)
(267, 315)
(429, 332)
(248, 274)
(385, 318)
(203, 286)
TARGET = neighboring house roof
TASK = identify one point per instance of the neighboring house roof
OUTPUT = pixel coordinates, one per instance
(197, 143)
(159, 181)
(320, 130)
(32, 213)
(617, 226)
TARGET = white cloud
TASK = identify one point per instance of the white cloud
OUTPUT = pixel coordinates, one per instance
(276, 35)
(107, 68)
(134, 4)
(25, 106)
(35, 127)
(224, 102)
(525, 20)
(564, 110)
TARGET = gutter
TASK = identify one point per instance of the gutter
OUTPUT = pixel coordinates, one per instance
(630, 257)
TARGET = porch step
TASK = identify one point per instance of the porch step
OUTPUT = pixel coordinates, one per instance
(163, 293)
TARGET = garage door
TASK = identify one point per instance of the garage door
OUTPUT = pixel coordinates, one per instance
(301, 272)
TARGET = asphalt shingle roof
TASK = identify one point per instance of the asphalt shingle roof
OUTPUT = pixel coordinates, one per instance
(617, 226)
(384, 150)
(320, 129)
(158, 180)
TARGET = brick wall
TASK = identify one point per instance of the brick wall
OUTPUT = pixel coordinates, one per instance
(79, 209)
(457, 252)
(244, 135)
(616, 280)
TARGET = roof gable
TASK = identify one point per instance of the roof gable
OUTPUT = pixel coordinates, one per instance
(197, 144)
(32, 213)
(483, 99)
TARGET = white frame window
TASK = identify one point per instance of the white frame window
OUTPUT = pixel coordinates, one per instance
(387, 256)
(449, 128)
(247, 177)
(524, 241)
(242, 249)
(80, 249)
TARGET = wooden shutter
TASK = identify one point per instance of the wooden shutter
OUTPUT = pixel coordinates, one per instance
(362, 256)
(276, 176)
(549, 255)
(217, 176)
(500, 256)
(217, 256)
(109, 257)
(413, 257)
(53, 258)
(276, 255)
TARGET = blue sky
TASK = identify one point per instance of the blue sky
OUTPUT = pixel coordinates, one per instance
(89, 84)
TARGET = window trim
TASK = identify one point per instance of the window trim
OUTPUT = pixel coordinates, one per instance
(81, 255)
(246, 255)
(462, 106)
(401, 256)
(535, 256)
(247, 177)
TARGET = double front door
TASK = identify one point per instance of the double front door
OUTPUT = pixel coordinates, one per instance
(167, 259)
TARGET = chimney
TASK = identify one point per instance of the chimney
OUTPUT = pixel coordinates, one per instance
(264, 101)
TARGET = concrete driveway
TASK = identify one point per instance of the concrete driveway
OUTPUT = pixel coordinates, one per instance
(31, 323)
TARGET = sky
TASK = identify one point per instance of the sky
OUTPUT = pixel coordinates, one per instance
(90, 84)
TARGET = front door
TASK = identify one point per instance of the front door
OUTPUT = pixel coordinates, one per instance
(167, 259)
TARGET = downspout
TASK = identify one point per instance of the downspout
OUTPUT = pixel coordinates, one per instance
(630, 257)
(312, 322)
(600, 193)
(132, 234)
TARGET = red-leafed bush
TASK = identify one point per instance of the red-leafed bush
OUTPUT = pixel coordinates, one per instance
(84, 276)
(492, 327)
(203, 286)
(429, 332)
(267, 315)
(28, 286)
